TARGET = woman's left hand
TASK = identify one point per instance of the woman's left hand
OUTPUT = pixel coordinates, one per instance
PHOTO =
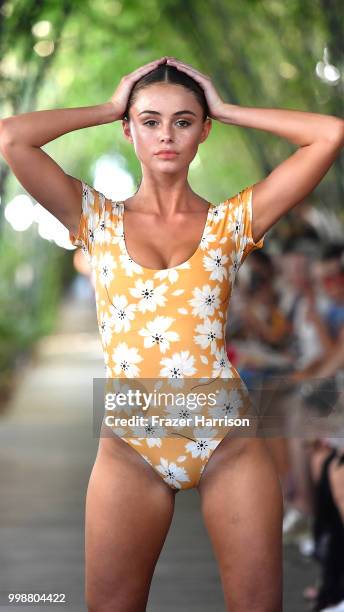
(215, 103)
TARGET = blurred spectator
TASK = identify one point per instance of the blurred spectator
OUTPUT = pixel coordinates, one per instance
(327, 458)
(309, 340)
(255, 314)
(287, 316)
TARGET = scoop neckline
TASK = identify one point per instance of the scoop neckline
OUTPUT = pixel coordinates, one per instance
(188, 261)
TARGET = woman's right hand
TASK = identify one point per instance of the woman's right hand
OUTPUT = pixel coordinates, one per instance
(120, 97)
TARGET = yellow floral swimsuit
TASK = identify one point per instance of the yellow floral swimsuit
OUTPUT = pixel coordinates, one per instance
(168, 326)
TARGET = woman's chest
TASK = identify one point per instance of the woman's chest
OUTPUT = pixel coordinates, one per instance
(160, 245)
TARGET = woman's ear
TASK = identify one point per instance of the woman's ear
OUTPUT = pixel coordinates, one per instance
(126, 130)
(207, 125)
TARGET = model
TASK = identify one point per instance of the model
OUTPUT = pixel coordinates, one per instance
(164, 263)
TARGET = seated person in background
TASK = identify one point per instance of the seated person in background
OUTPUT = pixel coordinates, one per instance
(261, 319)
(327, 454)
(298, 292)
(330, 323)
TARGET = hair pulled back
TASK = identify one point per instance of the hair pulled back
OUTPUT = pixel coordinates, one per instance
(168, 74)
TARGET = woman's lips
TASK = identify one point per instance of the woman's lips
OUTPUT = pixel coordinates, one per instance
(167, 155)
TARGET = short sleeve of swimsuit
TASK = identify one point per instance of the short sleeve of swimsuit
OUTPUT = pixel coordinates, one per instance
(92, 209)
(240, 224)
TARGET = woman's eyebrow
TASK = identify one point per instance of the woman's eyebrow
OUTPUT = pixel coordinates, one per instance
(182, 112)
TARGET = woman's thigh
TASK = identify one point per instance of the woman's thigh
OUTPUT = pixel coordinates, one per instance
(129, 509)
(242, 506)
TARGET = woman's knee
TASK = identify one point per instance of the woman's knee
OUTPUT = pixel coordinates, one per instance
(124, 600)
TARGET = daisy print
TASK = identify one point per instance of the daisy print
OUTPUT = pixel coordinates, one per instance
(219, 212)
(126, 359)
(122, 313)
(209, 332)
(117, 235)
(178, 365)
(88, 199)
(115, 387)
(172, 274)
(105, 327)
(182, 412)
(241, 248)
(129, 265)
(215, 262)
(152, 434)
(103, 233)
(236, 260)
(173, 474)
(221, 364)
(84, 249)
(205, 300)
(235, 225)
(148, 296)
(203, 444)
(156, 333)
(207, 238)
(106, 266)
(228, 403)
(91, 231)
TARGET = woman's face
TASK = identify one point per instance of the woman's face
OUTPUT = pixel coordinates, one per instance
(174, 122)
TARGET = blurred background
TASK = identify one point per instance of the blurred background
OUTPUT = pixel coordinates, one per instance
(70, 53)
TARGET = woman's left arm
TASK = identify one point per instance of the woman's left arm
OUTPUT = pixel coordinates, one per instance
(320, 139)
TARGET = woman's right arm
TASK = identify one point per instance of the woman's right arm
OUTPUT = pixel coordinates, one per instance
(21, 137)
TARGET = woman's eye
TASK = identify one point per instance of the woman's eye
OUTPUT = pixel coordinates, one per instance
(186, 123)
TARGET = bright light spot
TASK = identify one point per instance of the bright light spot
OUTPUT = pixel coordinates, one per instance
(43, 48)
(19, 213)
(331, 73)
(112, 8)
(112, 179)
(49, 227)
(9, 66)
(61, 238)
(319, 69)
(24, 275)
(327, 72)
(65, 76)
(7, 9)
(287, 70)
(41, 28)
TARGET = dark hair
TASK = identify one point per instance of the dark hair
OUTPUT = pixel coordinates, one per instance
(263, 258)
(168, 74)
(334, 250)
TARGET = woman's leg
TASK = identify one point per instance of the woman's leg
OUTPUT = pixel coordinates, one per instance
(129, 509)
(242, 506)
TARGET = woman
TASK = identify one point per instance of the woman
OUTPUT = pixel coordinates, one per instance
(159, 250)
